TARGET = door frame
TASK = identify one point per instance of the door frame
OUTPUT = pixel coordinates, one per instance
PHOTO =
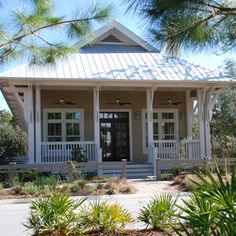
(130, 128)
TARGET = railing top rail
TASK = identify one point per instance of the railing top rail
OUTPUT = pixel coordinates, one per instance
(177, 141)
(72, 143)
(165, 141)
(20, 168)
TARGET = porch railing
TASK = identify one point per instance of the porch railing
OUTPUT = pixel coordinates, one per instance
(174, 149)
(56, 152)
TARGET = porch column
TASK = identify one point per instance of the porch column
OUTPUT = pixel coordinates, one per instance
(149, 100)
(189, 114)
(210, 99)
(96, 122)
(30, 121)
(201, 98)
(38, 124)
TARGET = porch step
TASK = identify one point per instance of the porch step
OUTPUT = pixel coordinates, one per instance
(133, 171)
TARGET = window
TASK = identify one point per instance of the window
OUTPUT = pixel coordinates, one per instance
(165, 125)
(63, 125)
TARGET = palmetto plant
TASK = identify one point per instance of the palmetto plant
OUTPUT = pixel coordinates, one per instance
(104, 217)
(54, 214)
(159, 212)
(211, 209)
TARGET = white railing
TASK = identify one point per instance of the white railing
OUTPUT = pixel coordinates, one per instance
(174, 149)
(56, 152)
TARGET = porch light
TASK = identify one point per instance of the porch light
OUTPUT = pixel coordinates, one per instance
(136, 115)
(89, 115)
(182, 115)
(117, 100)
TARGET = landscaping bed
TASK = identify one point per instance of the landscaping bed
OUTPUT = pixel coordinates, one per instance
(40, 184)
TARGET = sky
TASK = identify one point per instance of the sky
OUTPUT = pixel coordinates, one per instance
(134, 23)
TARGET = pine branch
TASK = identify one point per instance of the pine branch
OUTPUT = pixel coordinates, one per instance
(19, 38)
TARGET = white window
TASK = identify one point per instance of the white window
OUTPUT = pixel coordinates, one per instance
(165, 125)
(63, 125)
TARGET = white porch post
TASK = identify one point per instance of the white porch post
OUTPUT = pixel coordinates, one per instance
(38, 124)
(201, 99)
(209, 105)
(30, 121)
(189, 114)
(149, 100)
(96, 122)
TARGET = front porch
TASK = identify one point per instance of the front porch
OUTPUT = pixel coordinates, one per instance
(139, 124)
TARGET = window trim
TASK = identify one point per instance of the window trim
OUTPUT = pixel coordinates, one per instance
(63, 121)
(159, 111)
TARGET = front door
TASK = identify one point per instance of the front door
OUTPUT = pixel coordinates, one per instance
(114, 135)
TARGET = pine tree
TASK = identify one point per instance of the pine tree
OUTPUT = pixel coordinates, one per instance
(190, 24)
(32, 29)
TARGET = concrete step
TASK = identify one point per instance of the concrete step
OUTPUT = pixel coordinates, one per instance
(133, 171)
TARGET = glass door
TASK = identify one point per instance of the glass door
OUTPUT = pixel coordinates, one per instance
(114, 135)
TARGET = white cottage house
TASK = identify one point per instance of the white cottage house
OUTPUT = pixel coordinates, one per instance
(118, 99)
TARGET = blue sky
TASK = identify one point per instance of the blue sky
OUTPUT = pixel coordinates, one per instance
(206, 59)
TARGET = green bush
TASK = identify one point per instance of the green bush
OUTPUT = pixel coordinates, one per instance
(159, 212)
(50, 180)
(211, 209)
(54, 214)
(75, 188)
(26, 177)
(103, 217)
(176, 171)
(1, 187)
(79, 155)
(31, 189)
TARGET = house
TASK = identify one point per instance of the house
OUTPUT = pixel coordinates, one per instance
(117, 99)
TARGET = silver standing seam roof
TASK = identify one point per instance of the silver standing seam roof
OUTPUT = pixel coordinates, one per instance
(139, 66)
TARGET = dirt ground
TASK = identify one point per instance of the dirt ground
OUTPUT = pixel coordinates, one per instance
(141, 186)
(146, 186)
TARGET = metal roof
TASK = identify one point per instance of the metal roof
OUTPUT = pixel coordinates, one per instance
(119, 66)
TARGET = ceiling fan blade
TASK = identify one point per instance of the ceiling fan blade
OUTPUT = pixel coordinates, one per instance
(124, 103)
(69, 103)
(176, 103)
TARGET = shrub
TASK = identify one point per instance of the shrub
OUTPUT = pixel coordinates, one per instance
(159, 212)
(176, 171)
(31, 189)
(1, 187)
(126, 188)
(19, 190)
(50, 180)
(54, 214)
(103, 217)
(81, 183)
(26, 177)
(75, 188)
(211, 209)
(79, 155)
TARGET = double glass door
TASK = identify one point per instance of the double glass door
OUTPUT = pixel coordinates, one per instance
(114, 135)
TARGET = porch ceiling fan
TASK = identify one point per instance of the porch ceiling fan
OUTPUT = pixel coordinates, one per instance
(119, 102)
(62, 101)
(169, 101)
